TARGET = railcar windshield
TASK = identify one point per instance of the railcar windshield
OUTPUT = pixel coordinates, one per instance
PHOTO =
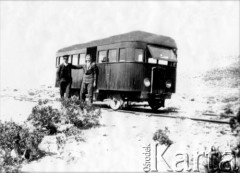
(162, 54)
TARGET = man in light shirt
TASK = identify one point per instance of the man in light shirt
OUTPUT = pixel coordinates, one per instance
(89, 79)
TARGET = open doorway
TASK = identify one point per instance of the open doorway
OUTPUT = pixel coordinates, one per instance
(93, 52)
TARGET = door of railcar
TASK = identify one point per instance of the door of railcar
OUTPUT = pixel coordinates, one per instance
(93, 52)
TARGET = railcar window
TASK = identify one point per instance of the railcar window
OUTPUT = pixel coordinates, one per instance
(122, 55)
(102, 56)
(152, 60)
(75, 60)
(112, 55)
(82, 59)
(139, 55)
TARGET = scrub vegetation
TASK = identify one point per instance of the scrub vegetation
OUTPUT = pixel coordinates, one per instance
(161, 136)
(20, 142)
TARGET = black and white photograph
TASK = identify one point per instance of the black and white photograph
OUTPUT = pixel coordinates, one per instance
(120, 86)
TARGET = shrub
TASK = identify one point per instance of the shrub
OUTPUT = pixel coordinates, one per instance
(19, 140)
(13, 135)
(161, 137)
(82, 115)
(74, 132)
(9, 132)
(73, 101)
(215, 157)
(23, 141)
(44, 117)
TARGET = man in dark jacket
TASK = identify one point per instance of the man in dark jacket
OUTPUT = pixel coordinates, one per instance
(89, 79)
(64, 76)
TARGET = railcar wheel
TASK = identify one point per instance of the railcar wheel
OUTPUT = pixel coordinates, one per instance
(156, 104)
(116, 102)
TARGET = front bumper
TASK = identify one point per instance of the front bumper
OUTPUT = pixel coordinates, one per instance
(147, 95)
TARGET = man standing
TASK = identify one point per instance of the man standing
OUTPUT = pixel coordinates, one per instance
(89, 79)
(64, 76)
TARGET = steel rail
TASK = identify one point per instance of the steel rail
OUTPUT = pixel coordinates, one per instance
(166, 115)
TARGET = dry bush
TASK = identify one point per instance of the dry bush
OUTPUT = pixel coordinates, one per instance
(74, 132)
(161, 137)
(82, 115)
(19, 142)
(44, 117)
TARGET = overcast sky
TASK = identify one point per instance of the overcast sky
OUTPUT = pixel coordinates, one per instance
(32, 32)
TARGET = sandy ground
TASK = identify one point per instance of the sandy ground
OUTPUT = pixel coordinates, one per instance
(118, 144)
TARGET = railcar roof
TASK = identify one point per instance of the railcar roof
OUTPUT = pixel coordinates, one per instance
(139, 36)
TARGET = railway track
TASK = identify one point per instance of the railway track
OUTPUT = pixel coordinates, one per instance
(142, 110)
(168, 114)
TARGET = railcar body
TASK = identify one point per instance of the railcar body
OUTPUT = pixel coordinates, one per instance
(136, 66)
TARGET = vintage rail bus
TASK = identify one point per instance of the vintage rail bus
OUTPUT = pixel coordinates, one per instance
(132, 67)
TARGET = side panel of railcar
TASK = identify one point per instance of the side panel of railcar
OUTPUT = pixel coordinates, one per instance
(125, 76)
